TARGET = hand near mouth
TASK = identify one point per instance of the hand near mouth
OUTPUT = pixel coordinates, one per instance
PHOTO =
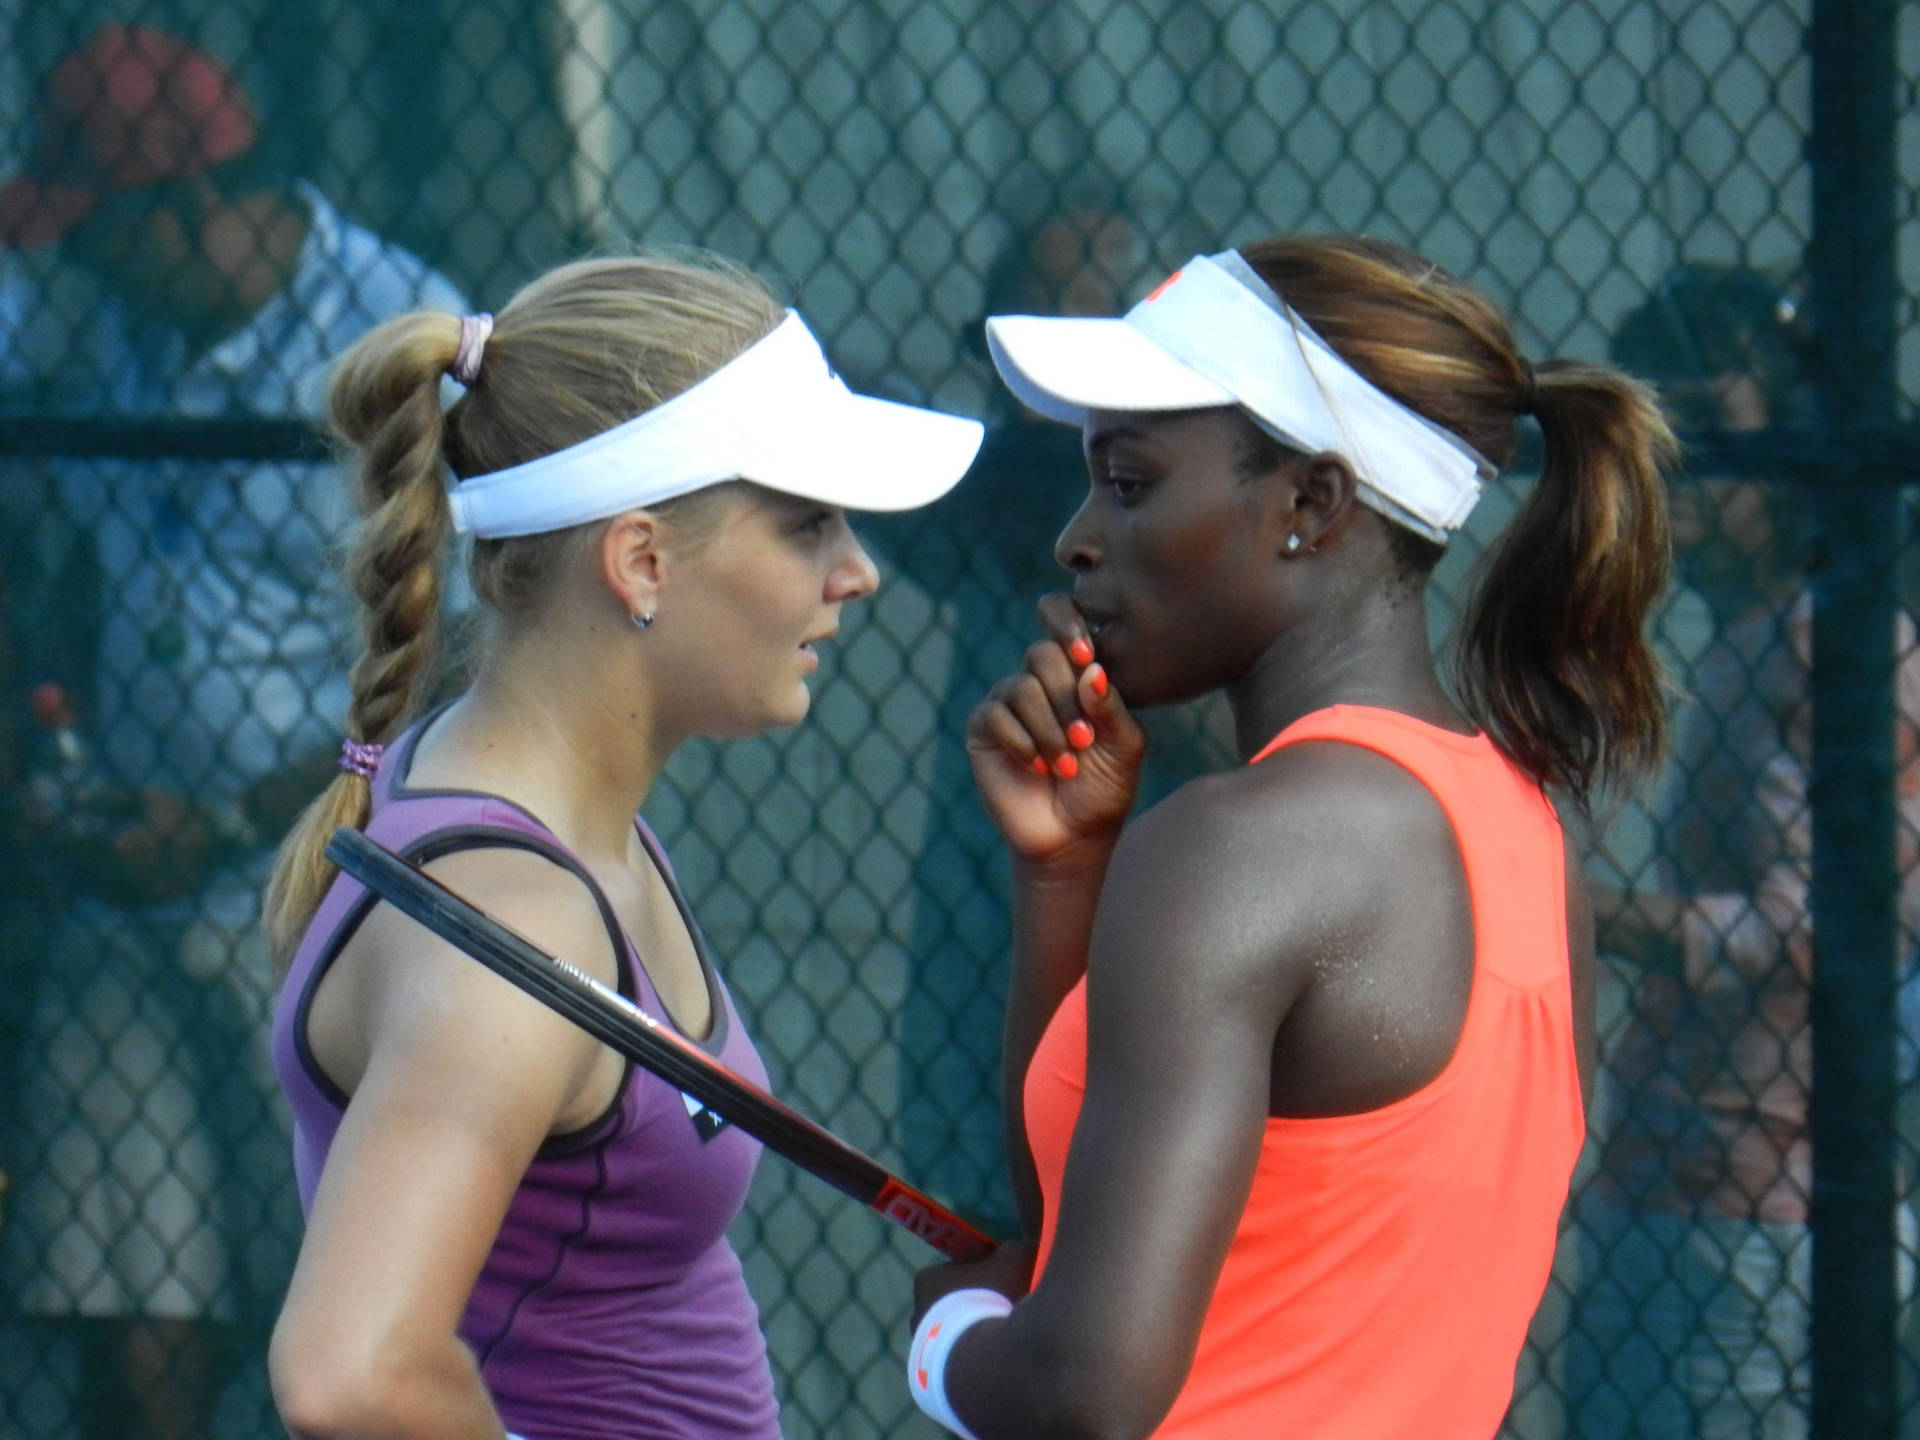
(1055, 752)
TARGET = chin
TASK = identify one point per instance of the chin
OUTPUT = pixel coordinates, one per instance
(774, 712)
(1151, 692)
(792, 709)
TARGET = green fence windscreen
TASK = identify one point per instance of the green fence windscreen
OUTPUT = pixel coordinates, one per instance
(1639, 179)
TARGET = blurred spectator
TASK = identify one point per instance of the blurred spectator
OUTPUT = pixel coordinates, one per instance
(987, 551)
(1029, 478)
(1723, 345)
(983, 554)
(1693, 1314)
(203, 715)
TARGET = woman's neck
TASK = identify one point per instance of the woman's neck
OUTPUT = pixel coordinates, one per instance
(582, 759)
(1375, 653)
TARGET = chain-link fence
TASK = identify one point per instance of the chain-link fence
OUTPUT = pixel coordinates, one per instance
(1721, 192)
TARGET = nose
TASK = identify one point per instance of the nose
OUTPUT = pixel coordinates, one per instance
(854, 575)
(1077, 548)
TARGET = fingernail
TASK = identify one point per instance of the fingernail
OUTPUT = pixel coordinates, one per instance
(1040, 766)
(1080, 734)
(1097, 677)
(1081, 650)
(1066, 767)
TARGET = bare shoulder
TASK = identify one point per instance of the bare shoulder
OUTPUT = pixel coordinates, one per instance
(1254, 870)
(397, 985)
(522, 889)
(1309, 804)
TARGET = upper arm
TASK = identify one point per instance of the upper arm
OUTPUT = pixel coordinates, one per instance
(1203, 943)
(463, 1078)
(1583, 971)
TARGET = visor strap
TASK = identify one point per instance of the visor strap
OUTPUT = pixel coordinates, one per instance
(1220, 318)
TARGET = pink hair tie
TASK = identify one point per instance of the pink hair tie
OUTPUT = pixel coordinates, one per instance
(474, 330)
(360, 759)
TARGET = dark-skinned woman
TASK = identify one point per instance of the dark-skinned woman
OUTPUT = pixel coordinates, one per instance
(1297, 1061)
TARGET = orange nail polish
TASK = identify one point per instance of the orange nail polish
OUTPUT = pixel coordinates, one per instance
(1081, 650)
(1097, 677)
(1080, 734)
(1066, 767)
(1040, 766)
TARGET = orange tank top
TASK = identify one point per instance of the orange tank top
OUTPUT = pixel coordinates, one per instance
(1383, 1275)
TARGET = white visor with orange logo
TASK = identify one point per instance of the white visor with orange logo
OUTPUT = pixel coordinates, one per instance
(1216, 334)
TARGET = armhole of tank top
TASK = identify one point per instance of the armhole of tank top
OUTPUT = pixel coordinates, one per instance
(422, 851)
(1475, 989)
(721, 1025)
(323, 962)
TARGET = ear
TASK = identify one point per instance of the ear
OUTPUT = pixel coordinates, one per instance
(1323, 490)
(633, 560)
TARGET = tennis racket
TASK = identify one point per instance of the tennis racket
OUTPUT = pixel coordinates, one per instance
(613, 1019)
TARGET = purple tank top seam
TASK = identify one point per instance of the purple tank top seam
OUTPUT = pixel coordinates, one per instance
(566, 1243)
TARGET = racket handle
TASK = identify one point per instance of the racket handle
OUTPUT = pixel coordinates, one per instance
(931, 1221)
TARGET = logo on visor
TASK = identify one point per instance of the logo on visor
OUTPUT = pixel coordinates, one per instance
(1160, 289)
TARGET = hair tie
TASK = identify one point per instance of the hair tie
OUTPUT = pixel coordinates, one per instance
(474, 330)
(1529, 402)
(358, 758)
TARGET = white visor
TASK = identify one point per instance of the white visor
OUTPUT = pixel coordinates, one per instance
(776, 414)
(1216, 334)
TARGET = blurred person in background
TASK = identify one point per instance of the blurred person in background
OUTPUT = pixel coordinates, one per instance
(1086, 259)
(986, 551)
(1692, 1313)
(153, 1211)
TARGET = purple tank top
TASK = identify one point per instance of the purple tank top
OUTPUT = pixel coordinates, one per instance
(611, 1304)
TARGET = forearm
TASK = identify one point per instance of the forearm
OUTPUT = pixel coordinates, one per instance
(1053, 908)
(1019, 1379)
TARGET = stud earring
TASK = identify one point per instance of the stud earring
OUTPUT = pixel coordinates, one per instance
(643, 621)
(1293, 544)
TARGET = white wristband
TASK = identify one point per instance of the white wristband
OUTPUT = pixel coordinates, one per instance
(933, 1342)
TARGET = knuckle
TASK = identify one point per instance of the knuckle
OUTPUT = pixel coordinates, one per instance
(1027, 687)
(1003, 694)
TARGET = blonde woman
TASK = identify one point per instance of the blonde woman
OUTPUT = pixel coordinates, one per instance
(509, 1229)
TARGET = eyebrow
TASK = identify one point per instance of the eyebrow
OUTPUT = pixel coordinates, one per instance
(1106, 439)
(797, 504)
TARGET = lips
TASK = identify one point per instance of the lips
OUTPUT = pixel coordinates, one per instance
(1097, 618)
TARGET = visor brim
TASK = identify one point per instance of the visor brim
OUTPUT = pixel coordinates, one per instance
(1065, 367)
(870, 454)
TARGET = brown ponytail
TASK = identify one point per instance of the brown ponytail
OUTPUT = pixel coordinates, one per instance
(1554, 661)
(386, 403)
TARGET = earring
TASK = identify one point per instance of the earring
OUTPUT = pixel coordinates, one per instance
(643, 621)
(1293, 544)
